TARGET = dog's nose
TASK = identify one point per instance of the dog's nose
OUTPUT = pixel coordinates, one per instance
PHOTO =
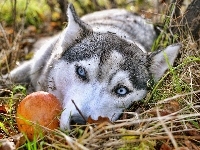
(77, 120)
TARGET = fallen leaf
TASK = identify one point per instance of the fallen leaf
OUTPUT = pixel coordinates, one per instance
(18, 139)
(172, 106)
(192, 131)
(99, 120)
(161, 112)
(165, 146)
(191, 145)
(12, 142)
(3, 109)
(188, 144)
(6, 144)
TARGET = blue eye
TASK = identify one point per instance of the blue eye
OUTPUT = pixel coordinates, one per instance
(81, 72)
(121, 91)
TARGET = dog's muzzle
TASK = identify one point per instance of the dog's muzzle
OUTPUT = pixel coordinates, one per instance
(76, 120)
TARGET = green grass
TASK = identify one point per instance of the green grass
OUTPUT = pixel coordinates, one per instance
(32, 12)
(2, 126)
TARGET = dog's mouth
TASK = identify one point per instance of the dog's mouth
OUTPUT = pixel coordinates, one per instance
(77, 120)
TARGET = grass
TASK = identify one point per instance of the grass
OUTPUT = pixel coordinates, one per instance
(169, 115)
(34, 12)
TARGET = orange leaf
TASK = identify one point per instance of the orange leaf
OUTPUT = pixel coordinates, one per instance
(3, 109)
(99, 120)
(165, 146)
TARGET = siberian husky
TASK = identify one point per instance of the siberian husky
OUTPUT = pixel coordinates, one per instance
(102, 62)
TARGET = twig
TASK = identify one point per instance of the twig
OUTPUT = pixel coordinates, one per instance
(78, 110)
(72, 142)
(118, 143)
(168, 117)
(177, 96)
(5, 37)
(171, 137)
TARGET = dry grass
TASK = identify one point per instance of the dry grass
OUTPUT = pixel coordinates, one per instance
(169, 118)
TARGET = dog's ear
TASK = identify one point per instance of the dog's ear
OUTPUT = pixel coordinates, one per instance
(76, 28)
(160, 61)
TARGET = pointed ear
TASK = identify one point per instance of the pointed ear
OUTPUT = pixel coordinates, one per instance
(160, 61)
(76, 28)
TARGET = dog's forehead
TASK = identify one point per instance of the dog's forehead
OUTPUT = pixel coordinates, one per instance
(109, 65)
(112, 54)
(101, 45)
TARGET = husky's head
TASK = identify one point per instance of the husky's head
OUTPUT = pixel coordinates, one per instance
(102, 73)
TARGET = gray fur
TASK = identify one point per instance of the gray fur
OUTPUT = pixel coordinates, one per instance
(107, 42)
(103, 65)
(132, 26)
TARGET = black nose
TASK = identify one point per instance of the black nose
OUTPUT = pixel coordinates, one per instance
(77, 120)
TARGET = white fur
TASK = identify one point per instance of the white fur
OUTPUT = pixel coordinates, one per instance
(163, 60)
(94, 98)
